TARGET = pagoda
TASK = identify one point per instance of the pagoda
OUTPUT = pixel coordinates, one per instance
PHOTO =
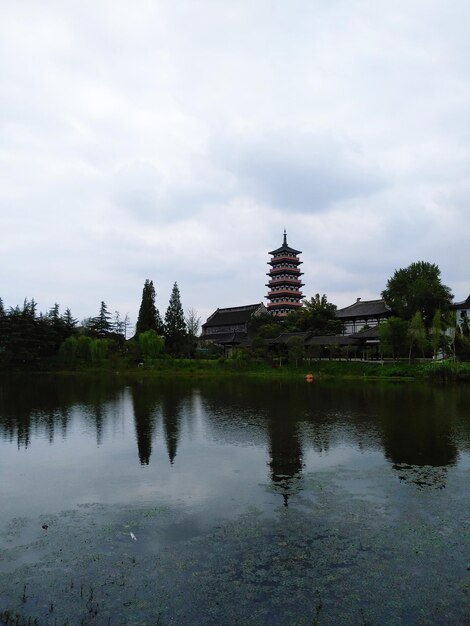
(284, 280)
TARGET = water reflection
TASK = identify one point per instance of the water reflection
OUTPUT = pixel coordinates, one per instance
(31, 406)
(419, 442)
(172, 406)
(285, 450)
(146, 402)
(419, 430)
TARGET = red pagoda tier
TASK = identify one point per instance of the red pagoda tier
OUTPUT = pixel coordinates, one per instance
(284, 285)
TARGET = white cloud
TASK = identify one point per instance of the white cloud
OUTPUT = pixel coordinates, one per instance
(175, 141)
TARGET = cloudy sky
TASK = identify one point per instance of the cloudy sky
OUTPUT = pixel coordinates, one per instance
(176, 139)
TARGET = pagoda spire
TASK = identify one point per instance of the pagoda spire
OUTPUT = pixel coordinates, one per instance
(284, 243)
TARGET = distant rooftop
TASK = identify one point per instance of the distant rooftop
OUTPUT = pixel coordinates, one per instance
(465, 304)
(232, 315)
(363, 308)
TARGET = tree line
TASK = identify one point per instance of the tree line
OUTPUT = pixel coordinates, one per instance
(30, 339)
(422, 323)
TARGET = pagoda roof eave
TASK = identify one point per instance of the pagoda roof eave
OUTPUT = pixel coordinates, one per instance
(299, 284)
(284, 248)
(286, 270)
(284, 260)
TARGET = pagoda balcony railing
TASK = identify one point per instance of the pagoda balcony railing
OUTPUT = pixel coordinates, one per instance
(282, 268)
(285, 281)
(285, 292)
(283, 303)
(281, 259)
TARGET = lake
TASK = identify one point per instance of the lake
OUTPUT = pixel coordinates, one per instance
(233, 501)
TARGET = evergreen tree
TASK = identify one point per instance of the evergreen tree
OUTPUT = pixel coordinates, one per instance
(2, 308)
(69, 321)
(54, 315)
(102, 323)
(29, 309)
(53, 331)
(149, 317)
(54, 319)
(175, 325)
(22, 335)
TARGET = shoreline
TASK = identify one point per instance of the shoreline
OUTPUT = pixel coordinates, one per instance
(441, 371)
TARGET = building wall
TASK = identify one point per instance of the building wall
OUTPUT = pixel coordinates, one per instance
(462, 314)
(354, 326)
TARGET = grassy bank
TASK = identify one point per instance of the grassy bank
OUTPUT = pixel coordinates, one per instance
(445, 371)
(242, 365)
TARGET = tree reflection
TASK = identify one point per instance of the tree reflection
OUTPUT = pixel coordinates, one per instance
(419, 428)
(151, 403)
(146, 402)
(41, 404)
(171, 411)
(32, 405)
(418, 438)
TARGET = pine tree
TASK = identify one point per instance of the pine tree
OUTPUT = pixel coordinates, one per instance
(175, 326)
(54, 318)
(102, 323)
(29, 308)
(69, 321)
(53, 330)
(149, 317)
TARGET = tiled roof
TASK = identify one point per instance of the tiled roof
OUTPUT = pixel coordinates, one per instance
(367, 333)
(283, 338)
(285, 249)
(465, 304)
(310, 339)
(226, 338)
(232, 315)
(331, 340)
(364, 308)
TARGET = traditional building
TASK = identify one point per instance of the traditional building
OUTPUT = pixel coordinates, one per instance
(284, 280)
(363, 344)
(229, 327)
(363, 313)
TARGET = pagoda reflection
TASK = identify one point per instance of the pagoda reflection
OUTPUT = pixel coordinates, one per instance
(285, 451)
